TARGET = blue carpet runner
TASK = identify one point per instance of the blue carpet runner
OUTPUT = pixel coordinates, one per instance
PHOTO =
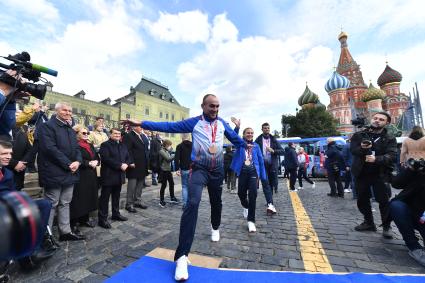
(150, 269)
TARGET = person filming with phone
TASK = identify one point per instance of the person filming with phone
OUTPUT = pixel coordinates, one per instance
(374, 152)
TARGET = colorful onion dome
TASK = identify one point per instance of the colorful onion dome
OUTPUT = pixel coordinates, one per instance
(336, 82)
(319, 105)
(308, 97)
(389, 76)
(372, 93)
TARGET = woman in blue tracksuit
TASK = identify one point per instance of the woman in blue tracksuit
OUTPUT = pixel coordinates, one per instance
(248, 164)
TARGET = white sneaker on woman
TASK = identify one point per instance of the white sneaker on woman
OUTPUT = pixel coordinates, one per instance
(271, 209)
(181, 273)
(251, 227)
(215, 235)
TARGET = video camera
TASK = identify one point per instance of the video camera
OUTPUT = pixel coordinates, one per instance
(22, 65)
(416, 164)
(21, 225)
(359, 121)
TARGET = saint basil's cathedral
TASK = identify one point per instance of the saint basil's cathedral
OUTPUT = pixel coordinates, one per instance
(350, 98)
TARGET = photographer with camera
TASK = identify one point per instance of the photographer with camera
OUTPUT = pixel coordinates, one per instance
(408, 206)
(374, 152)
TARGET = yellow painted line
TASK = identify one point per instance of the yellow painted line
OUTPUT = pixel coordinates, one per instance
(312, 252)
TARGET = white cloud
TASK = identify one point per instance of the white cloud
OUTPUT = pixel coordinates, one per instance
(89, 54)
(323, 19)
(256, 78)
(36, 8)
(188, 27)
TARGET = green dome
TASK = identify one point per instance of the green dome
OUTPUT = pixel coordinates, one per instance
(319, 105)
(372, 93)
(308, 97)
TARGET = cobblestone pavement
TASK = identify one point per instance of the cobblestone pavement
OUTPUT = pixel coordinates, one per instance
(279, 243)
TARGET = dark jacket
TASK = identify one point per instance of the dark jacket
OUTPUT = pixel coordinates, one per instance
(85, 195)
(183, 155)
(156, 146)
(291, 159)
(346, 153)
(6, 183)
(21, 152)
(385, 148)
(7, 118)
(334, 160)
(228, 157)
(113, 154)
(137, 150)
(58, 148)
(274, 144)
(413, 190)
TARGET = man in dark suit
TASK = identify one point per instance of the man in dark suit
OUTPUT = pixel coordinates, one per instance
(58, 162)
(136, 145)
(115, 161)
(20, 156)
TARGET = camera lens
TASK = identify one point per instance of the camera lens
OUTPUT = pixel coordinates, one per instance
(36, 90)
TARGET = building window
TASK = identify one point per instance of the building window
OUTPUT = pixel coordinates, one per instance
(172, 117)
(108, 117)
(75, 110)
(166, 116)
(160, 115)
(52, 107)
(173, 135)
(147, 111)
(167, 135)
(83, 111)
(127, 116)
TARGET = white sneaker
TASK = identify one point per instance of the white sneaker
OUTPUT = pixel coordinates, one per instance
(271, 209)
(181, 273)
(251, 227)
(300, 188)
(347, 190)
(245, 213)
(294, 190)
(313, 185)
(215, 235)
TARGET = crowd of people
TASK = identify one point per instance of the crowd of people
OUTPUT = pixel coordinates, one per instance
(74, 162)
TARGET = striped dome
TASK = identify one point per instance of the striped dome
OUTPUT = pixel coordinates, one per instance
(389, 76)
(308, 97)
(372, 93)
(336, 82)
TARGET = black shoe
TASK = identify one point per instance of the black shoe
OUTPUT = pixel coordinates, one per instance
(365, 226)
(119, 217)
(387, 233)
(130, 209)
(341, 196)
(88, 224)
(332, 195)
(71, 237)
(49, 243)
(139, 205)
(104, 224)
(76, 231)
(162, 203)
(174, 200)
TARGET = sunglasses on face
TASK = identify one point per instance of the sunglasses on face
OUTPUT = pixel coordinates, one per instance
(84, 133)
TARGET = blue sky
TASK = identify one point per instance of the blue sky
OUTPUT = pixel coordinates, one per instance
(255, 55)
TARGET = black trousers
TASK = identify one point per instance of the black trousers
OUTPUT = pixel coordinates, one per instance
(334, 179)
(107, 191)
(248, 183)
(292, 178)
(302, 173)
(167, 176)
(382, 195)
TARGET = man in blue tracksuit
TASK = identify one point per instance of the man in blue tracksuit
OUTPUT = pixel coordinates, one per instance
(208, 131)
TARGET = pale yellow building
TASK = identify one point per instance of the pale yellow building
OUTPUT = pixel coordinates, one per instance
(149, 100)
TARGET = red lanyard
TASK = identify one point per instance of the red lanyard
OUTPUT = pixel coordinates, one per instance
(248, 152)
(213, 130)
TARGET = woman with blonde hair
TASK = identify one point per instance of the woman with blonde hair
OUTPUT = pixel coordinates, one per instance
(413, 146)
(85, 196)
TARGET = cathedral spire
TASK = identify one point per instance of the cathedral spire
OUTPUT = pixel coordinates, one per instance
(346, 65)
